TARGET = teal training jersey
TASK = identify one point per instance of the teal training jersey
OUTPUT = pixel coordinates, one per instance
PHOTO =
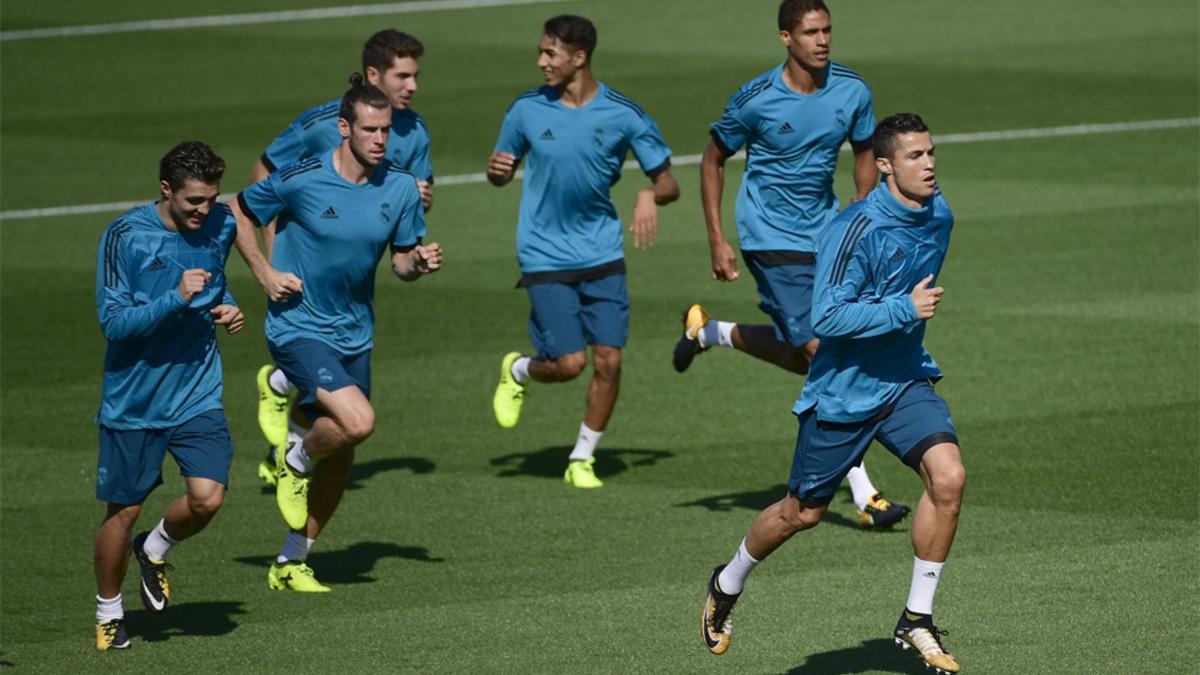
(162, 366)
(869, 259)
(792, 142)
(315, 132)
(331, 234)
(573, 156)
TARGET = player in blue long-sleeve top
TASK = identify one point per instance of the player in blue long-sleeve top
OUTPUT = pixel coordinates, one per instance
(160, 290)
(871, 380)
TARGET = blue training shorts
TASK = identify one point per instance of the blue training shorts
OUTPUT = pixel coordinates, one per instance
(566, 317)
(131, 460)
(826, 451)
(312, 364)
(785, 292)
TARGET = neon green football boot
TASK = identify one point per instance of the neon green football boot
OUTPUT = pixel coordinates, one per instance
(291, 491)
(266, 468)
(581, 474)
(294, 575)
(272, 408)
(510, 394)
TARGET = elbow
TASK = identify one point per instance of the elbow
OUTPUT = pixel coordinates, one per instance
(825, 326)
(112, 332)
(670, 194)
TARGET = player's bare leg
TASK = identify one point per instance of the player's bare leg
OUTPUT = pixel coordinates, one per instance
(934, 526)
(601, 399)
(761, 342)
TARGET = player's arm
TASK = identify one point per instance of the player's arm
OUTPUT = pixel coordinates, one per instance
(257, 173)
(121, 318)
(411, 259)
(712, 185)
(662, 191)
(841, 278)
(228, 314)
(866, 176)
(501, 168)
(280, 286)
(510, 147)
(410, 263)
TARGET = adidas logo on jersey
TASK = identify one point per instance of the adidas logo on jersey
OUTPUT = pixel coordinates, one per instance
(547, 135)
(157, 264)
(898, 254)
(786, 128)
(329, 213)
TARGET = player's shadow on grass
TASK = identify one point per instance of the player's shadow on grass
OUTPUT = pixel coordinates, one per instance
(871, 656)
(552, 462)
(352, 565)
(361, 472)
(757, 500)
(365, 470)
(184, 620)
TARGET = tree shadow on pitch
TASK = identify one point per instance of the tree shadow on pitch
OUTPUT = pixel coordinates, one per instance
(351, 565)
(552, 462)
(871, 656)
(757, 500)
(365, 470)
(184, 620)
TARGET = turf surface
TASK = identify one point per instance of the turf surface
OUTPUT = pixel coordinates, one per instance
(1070, 337)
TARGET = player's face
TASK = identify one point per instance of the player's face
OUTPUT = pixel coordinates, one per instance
(399, 81)
(558, 61)
(911, 166)
(808, 41)
(368, 136)
(190, 204)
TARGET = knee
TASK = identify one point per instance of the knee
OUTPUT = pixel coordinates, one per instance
(359, 424)
(608, 364)
(206, 505)
(946, 486)
(804, 518)
(571, 365)
(798, 360)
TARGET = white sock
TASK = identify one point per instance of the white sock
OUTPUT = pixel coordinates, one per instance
(295, 547)
(108, 609)
(279, 383)
(298, 459)
(158, 544)
(520, 369)
(716, 333)
(860, 485)
(733, 577)
(925, 578)
(585, 445)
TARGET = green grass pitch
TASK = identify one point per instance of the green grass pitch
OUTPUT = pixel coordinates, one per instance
(1070, 336)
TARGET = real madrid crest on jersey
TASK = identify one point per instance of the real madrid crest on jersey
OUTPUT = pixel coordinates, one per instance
(385, 212)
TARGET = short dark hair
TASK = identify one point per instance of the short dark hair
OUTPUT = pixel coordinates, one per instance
(883, 143)
(191, 159)
(792, 11)
(361, 91)
(384, 47)
(572, 30)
